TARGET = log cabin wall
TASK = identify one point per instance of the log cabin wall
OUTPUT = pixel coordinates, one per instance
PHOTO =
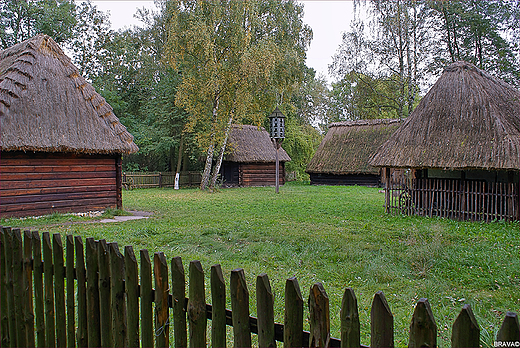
(33, 184)
(260, 174)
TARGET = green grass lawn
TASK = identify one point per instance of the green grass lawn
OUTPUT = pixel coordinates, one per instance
(339, 236)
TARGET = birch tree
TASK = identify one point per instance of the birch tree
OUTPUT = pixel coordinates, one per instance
(236, 64)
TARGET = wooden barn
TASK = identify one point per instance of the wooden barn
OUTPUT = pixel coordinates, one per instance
(61, 144)
(250, 160)
(343, 155)
(458, 152)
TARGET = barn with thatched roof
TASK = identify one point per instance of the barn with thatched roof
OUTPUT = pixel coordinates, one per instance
(343, 155)
(250, 158)
(458, 150)
(61, 144)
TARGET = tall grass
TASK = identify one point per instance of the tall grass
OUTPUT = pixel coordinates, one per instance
(339, 236)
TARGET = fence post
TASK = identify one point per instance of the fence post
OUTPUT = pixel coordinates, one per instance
(510, 330)
(178, 299)
(349, 316)
(465, 331)
(265, 312)
(117, 296)
(197, 306)
(147, 333)
(71, 335)
(218, 309)
(81, 277)
(105, 310)
(50, 338)
(381, 323)
(423, 329)
(28, 274)
(162, 322)
(18, 288)
(38, 289)
(132, 296)
(93, 329)
(319, 316)
(4, 321)
(59, 290)
(240, 309)
(293, 321)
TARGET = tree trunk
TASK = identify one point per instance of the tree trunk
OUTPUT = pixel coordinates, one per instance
(216, 170)
(205, 175)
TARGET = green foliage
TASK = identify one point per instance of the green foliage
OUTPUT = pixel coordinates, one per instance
(484, 33)
(23, 19)
(301, 142)
(336, 235)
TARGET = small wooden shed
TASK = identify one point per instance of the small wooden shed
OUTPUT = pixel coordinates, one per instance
(458, 152)
(343, 155)
(250, 158)
(61, 144)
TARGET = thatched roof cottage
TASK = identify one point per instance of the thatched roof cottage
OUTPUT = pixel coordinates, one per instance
(250, 158)
(61, 144)
(343, 155)
(461, 148)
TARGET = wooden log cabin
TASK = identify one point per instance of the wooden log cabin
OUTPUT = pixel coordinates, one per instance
(457, 154)
(61, 144)
(343, 155)
(250, 158)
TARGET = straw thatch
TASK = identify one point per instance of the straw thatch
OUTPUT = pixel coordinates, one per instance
(47, 106)
(468, 120)
(251, 144)
(348, 146)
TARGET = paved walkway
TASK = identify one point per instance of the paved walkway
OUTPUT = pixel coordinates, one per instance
(136, 215)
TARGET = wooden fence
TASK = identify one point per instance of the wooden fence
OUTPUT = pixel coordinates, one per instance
(472, 200)
(161, 179)
(91, 295)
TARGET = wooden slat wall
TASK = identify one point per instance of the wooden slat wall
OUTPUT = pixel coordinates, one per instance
(33, 184)
(260, 174)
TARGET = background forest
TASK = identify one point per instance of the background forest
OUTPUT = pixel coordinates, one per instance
(195, 67)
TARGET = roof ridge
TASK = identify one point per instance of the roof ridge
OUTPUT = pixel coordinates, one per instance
(364, 122)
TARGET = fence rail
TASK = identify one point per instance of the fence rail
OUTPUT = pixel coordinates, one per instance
(161, 179)
(107, 299)
(453, 198)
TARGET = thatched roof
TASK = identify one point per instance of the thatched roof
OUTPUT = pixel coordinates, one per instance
(468, 120)
(47, 106)
(250, 144)
(347, 147)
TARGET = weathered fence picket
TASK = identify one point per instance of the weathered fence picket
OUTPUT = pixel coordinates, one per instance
(115, 302)
(147, 336)
(59, 290)
(162, 313)
(39, 300)
(240, 308)
(50, 332)
(117, 296)
(132, 297)
(218, 310)
(293, 320)
(93, 322)
(71, 325)
(105, 310)
(349, 317)
(178, 296)
(465, 331)
(197, 306)
(265, 312)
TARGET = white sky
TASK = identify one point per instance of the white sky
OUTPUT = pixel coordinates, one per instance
(328, 20)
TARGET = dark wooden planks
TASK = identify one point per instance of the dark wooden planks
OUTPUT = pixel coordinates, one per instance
(43, 183)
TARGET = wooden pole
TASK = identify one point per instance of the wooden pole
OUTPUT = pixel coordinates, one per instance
(277, 169)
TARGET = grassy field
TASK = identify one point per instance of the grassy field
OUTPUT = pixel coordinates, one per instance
(339, 236)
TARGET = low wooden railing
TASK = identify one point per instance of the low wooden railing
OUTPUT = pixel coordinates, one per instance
(159, 179)
(98, 297)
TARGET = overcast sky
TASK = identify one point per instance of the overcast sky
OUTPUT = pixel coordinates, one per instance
(328, 20)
